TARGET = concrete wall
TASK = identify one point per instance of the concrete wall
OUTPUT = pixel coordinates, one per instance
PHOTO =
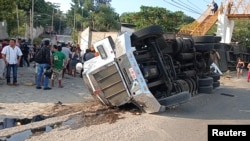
(87, 37)
(36, 32)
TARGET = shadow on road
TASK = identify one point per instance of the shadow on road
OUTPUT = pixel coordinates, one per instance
(226, 103)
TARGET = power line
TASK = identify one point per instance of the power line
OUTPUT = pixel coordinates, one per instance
(183, 7)
(206, 1)
(195, 6)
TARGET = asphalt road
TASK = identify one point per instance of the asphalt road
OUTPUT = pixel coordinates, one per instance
(228, 105)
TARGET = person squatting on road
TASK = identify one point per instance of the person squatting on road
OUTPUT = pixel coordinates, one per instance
(44, 58)
(12, 55)
(58, 61)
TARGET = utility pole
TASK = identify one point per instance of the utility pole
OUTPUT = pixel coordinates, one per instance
(54, 5)
(60, 24)
(32, 23)
(30, 26)
(17, 18)
(74, 24)
(74, 20)
(52, 19)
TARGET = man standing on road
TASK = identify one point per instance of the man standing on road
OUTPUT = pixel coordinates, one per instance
(25, 50)
(43, 57)
(66, 50)
(57, 64)
(12, 55)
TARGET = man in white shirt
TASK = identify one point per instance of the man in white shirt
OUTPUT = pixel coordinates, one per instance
(11, 55)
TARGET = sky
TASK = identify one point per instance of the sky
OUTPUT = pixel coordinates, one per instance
(193, 8)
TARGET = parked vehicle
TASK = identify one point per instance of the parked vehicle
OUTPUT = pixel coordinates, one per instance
(151, 69)
(62, 39)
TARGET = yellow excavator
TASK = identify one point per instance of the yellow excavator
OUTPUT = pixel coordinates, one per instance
(224, 16)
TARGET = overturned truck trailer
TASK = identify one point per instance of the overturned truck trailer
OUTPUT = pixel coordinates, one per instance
(151, 69)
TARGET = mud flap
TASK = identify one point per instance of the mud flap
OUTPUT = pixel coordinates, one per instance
(175, 99)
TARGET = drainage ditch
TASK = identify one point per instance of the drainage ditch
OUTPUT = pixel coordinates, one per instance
(83, 119)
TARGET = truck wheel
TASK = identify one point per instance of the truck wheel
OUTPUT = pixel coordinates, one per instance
(190, 85)
(184, 85)
(217, 45)
(175, 99)
(203, 39)
(151, 31)
(215, 77)
(195, 86)
(205, 81)
(216, 84)
(206, 89)
(217, 39)
(223, 63)
(204, 47)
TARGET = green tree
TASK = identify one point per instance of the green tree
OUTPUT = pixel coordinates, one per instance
(241, 32)
(170, 21)
(42, 14)
(97, 14)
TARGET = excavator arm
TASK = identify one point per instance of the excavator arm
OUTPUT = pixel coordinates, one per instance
(227, 12)
(202, 25)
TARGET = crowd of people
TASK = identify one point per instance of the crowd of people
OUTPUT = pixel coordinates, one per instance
(52, 62)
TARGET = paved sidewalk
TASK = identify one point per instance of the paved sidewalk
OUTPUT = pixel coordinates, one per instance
(29, 98)
(74, 89)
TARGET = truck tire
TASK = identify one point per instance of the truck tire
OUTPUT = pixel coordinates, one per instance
(216, 84)
(190, 85)
(203, 39)
(217, 45)
(223, 63)
(205, 81)
(206, 89)
(176, 99)
(204, 47)
(195, 86)
(217, 39)
(151, 31)
(184, 85)
(215, 77)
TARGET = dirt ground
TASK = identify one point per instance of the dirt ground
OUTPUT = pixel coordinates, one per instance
(72, 114)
